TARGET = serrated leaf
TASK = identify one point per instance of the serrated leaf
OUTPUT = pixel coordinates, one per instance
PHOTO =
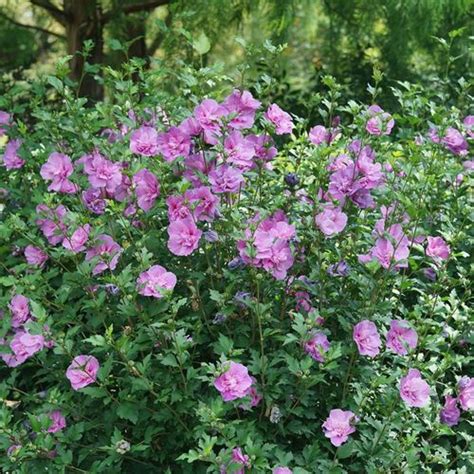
(345, 450)
(96, 340)
(128, 411)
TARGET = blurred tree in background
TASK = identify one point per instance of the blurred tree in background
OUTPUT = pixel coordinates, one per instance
(406, 39)
(19, 46)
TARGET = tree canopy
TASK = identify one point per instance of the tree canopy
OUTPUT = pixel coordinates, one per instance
(406, 39)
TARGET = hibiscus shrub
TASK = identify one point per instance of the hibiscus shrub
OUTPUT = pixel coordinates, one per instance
(196, 284)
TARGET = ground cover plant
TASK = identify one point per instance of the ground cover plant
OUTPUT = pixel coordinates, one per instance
(204, 282)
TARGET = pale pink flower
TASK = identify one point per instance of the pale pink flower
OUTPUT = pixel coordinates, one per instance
(280, 119)
(388, 254)
(10, 157)
(437, 248)
(24, 345)
(271, 242)
(144, 141)
(468, 123)
(317, 346)
(468, 165)
(239, 151)
(282, 470)
(5, 120)
(183, 237)
(147, 189)
(156, 281)
(107, 253)
(255, 397)
(452, 139)
(58, 422)
(196, 166)
(174, 143)
(383, 251)
(57, 169)
(51, 222)
(225, 179)
(331, 221)
(275, 257)
(380, 122)
(11, 360)
(124, 190)
(209, 115)
(239, 457)
(234, 382)
(190, 127)
(415, 392)
(35, 256)
(102, 173)
(242, 106)
(94, 200)
(401, 337)
(339, 425)
(77, 242)
(466, 393)
(319, 134)
(450, 413)
(367, 338)
(20, 310)
(177, 208)
(203, 203)
(82, 371)
(263, 146)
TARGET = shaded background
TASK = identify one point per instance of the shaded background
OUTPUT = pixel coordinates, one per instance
(409, 40)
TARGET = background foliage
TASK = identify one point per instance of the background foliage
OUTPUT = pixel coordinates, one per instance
(407, 39)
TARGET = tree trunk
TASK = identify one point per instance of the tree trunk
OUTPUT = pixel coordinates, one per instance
(84, 22)
(136, 29)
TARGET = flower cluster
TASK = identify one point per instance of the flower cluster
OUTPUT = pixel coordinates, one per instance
(450, 414)
(268, 246)
(179, 240)
(22, 343)
(400, 338)
(354, 175)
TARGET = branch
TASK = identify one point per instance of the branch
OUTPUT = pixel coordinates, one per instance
(54, 11)
(137, 7)
(31, 27)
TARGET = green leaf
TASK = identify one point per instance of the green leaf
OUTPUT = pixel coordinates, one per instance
(94, 392)
(7, 281)
(202, 44)
(106, 368)
(128, 411)
(38, 311)
(345, 450)
(216, 296)
(96, 340)
(169, 360)
(224, 345)
(56, 83)
(116, 45)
